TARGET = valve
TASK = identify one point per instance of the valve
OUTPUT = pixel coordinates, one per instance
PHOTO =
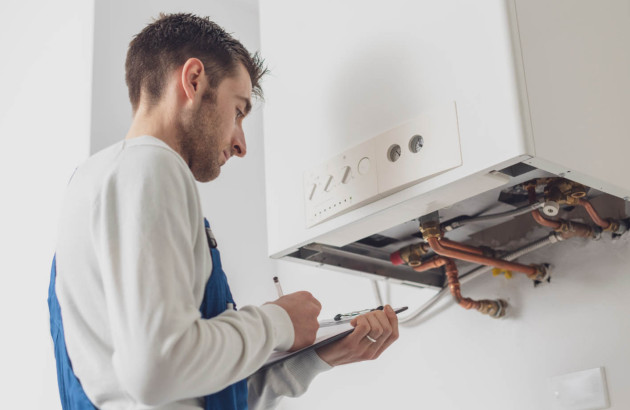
(498, 271)
(410, 255)
(551, 208)
(431, 229)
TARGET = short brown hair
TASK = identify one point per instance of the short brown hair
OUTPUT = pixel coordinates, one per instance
(172, 39)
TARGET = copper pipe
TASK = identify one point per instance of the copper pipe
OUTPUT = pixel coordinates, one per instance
(566, 229)
(461, 247)
(454, 286)
(544, 221)
(494, 308)
(593, 214)
(434, 262)
(437, 247)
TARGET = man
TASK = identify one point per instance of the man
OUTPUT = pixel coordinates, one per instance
(148, 318)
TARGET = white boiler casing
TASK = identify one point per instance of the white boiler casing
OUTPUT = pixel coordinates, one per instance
(543, 82)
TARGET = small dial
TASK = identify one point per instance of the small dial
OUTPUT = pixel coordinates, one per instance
(345, 175)
(328, 185)
(394, 152)
(416, 143)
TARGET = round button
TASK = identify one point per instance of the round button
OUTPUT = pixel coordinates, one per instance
(394, 152)
(364, 166)
(416, 143)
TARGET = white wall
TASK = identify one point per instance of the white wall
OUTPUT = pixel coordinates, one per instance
(44, 125)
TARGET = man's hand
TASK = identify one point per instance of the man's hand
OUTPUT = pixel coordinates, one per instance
(378, 325)
(303, 310)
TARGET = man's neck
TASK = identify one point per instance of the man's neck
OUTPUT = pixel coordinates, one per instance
(158, 123)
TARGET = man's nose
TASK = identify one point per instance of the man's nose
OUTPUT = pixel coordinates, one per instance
(239, 147)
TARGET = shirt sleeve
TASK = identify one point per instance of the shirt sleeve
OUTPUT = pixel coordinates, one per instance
(145, 228)
(288, 378)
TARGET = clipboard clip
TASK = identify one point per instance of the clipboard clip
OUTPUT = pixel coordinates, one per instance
(345, 316)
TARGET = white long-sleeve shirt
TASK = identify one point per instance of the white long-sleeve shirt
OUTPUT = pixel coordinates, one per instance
(132, 265)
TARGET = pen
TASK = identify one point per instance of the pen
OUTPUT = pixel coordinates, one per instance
(276, 281)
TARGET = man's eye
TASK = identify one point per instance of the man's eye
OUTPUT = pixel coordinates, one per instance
(239, 114)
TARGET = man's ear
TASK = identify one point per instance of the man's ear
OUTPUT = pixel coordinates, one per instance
(193, 74)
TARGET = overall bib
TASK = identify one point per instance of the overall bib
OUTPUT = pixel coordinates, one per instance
(217, 298)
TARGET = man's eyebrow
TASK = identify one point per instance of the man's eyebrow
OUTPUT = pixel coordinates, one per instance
(248, 104)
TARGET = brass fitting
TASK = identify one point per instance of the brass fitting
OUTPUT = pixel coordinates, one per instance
(563, 191)
(614, 225)
(565, 226)
(570, 229)
(541, 273)
(493, 308)
(534, 183)
(431, 229)
(412, 254)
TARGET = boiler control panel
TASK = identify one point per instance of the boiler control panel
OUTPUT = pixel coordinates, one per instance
(389, 162)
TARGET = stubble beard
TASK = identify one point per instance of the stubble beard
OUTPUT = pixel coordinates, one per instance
(198, 139)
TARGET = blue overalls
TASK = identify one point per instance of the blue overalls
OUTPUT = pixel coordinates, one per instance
(217, 298)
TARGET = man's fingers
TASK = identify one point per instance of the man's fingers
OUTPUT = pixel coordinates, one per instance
(376, 329)
(383, 320)
(361, 327)
(381, 326)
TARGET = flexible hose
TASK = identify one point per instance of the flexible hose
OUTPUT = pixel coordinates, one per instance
(377, 292)
(468, 276)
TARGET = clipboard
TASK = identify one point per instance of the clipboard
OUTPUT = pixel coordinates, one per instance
(326, 334)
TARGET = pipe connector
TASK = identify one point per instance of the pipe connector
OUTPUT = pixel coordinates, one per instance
(410, 254)
(493, 308)
(613, 225)
(431, 229)
(563, 191)
(569, 229)
(541, 274)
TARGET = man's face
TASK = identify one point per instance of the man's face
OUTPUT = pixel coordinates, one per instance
(211, 134)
